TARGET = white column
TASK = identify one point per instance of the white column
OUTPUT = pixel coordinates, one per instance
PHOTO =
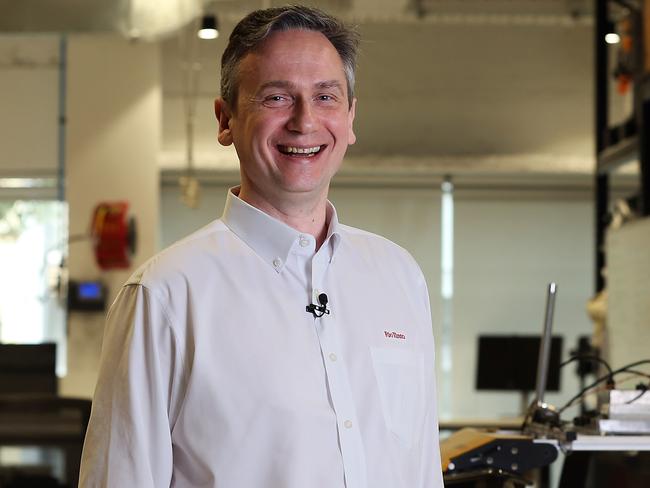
(112, 140)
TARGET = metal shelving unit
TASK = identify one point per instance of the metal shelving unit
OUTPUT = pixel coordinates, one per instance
(616, 146)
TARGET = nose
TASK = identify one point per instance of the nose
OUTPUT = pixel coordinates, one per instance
(303, 119)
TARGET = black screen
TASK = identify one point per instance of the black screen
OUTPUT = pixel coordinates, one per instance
(509, 363)
(28, 368)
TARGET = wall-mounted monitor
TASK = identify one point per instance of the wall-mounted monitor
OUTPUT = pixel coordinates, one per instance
(509, 363)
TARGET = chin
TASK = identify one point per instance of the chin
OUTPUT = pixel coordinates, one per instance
(304, 187)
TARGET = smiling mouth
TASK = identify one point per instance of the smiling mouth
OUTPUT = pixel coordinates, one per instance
(300, 151)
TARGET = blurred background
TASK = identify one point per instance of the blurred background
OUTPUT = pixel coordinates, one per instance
(482, 135)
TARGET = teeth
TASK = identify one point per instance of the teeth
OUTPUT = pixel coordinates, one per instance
(300, 150)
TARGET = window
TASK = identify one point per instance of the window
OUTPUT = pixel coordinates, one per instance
(33, 240)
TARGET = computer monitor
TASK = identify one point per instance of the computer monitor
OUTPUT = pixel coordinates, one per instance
(28, 368)
(509, 363)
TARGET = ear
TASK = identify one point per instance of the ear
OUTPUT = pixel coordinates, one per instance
(352, 138)
(224, 116)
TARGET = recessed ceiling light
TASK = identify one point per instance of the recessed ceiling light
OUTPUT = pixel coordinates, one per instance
(209, 27)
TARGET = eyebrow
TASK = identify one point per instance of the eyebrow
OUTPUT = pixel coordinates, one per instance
(287, 85)
(276, 84)
(329, 84)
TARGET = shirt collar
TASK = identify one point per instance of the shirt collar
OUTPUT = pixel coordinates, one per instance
(270, 238)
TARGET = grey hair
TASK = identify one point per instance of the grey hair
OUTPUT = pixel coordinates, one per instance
(253, 29)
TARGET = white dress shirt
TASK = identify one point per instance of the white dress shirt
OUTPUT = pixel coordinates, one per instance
(213, 373)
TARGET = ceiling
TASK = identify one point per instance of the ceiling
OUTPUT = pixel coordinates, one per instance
(460, 93)
(462, 85)
(152, 19)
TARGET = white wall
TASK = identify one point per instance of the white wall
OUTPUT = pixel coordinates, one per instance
(29, 95)
(628, 282)
(113, 138)
(507, 251)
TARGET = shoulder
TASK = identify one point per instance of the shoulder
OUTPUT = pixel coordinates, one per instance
(377, 248)
(183, 260)
(387, 266)
(368, 241)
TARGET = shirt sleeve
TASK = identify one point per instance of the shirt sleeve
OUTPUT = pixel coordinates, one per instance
(431, 468)
(128, 442)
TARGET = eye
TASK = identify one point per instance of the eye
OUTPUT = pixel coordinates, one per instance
(277, 101)
(328, 100)
(326, 97)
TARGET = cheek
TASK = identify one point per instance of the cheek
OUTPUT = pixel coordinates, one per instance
(249, 135)
(261, 131)
(343, 133)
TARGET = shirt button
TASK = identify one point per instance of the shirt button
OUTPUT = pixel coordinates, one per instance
(277, 262)
(333, 356)
(304, 242)
(348, 424)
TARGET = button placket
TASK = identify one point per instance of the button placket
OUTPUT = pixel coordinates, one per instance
(339, 384)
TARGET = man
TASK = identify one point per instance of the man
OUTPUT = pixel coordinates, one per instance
(275, 347)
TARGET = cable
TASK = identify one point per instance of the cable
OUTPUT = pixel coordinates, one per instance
(638, 373)
(643, 389)
(600, 380)
(586, 364)
(580, 357)
(631, 365)
(595, 391)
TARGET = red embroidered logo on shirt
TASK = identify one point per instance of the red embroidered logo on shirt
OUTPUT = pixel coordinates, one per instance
(394, 335)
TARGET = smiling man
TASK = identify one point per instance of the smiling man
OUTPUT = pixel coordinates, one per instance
(275, 347)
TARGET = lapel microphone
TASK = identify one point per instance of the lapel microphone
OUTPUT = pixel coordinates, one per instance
(319, 310)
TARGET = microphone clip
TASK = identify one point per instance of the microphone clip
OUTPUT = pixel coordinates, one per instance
(319, 310)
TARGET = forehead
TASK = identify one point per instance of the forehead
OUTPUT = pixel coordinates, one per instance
(300, 56)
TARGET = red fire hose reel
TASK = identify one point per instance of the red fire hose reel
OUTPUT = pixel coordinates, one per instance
(114, 235)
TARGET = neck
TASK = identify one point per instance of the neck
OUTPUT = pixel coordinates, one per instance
(307, 217)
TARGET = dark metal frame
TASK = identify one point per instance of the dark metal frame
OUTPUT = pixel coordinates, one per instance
(609, 154)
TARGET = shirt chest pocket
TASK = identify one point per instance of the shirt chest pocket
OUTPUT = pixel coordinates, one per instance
(400, 379)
